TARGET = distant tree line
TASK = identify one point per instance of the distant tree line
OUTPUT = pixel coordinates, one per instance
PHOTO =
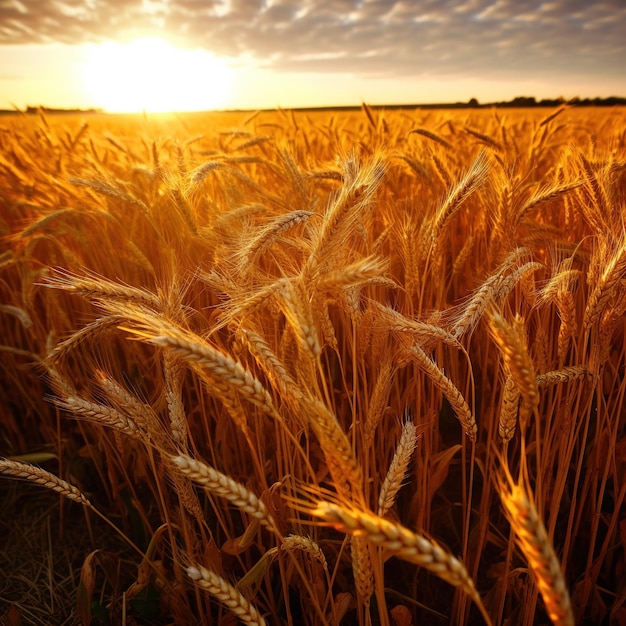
(523, 101)
(30, 110)
(530, 101)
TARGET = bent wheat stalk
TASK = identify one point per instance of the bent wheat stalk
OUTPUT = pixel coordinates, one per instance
(403, 543)
(39, 476)
(535, 544)
(34, 474)
(448, 389)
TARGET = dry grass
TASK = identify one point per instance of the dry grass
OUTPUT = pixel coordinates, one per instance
(240, 336)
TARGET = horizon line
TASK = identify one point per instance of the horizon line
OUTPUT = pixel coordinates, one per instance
(472, 103)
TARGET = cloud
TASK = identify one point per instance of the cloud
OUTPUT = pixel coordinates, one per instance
(394, 38)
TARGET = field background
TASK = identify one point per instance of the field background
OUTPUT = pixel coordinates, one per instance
(366, 366)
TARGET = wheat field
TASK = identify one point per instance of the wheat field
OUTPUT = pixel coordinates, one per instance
(328, 367)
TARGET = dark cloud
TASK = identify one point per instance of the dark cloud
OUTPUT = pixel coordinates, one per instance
(393, 38)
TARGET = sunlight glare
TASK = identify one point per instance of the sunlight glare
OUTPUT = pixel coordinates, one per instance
(153, 75)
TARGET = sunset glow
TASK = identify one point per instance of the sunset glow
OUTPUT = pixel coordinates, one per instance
(161, 55)
(153, 75)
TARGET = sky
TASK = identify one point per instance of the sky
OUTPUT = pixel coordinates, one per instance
(249, 54)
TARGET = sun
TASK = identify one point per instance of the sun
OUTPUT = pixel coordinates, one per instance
(153, 75)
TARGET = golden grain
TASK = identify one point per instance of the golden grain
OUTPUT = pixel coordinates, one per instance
(226, 594)
(398, 467)
(39, 476)
(401, 542)
(536, 546)
(223, 486)
(333, 270)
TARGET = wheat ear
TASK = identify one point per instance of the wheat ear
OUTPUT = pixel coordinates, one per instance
(495, 288)
(537, 548)
(266, 235)
(218, 365)
(362, 569)
(92, 331)
(564, 375)
(226, 594)
(607, 286)
(432, 136)
(18, 313)
(397, 468)
(568, 328)
(543, 196)
(378, 402)
(100, 288)
(508, 410)
(223, 486)
(32, 473)
(173, 395)
(98, 414)
(486, 139)
(337, 448)
(272, 366)
(448, 389)
(512, 343)
(403, 543)
(473, 178)
(306, 544)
